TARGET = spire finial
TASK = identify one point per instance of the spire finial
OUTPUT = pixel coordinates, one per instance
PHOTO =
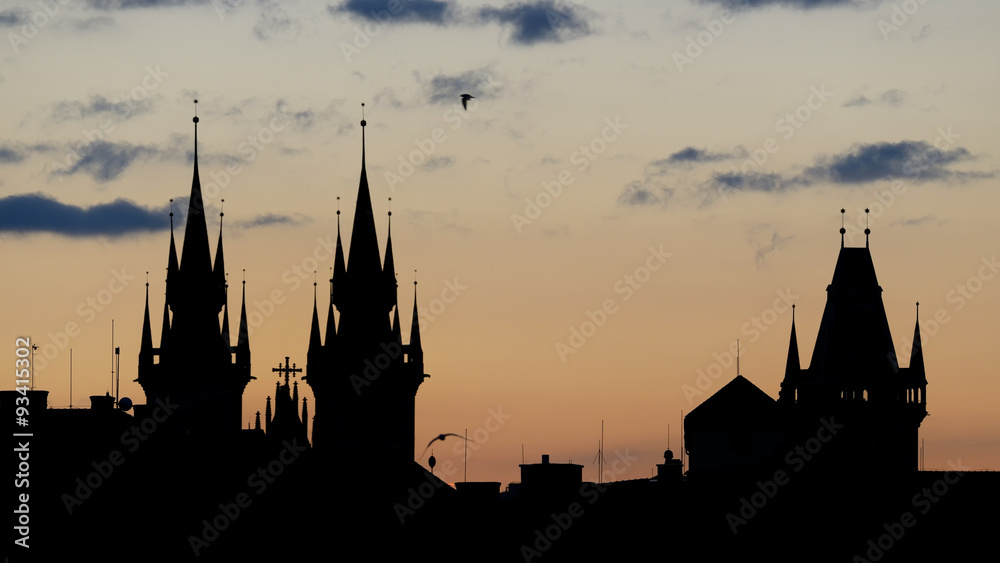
(868, 231)
(918, 311)
(244, 276)
(363, 123)
(147, 279)
(390, 207)
(195, 120)
(842, 229)
(338, 208)
(171, 214)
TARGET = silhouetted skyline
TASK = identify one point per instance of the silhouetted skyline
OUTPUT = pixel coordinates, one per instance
(631, 190)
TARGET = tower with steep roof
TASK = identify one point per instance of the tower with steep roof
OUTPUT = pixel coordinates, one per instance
(364, 379)
(194, 366)
(854, 374)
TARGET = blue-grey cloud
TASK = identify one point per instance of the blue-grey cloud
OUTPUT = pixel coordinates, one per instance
(437, 162)
(39, 213)
(109, 5)
(914, 160)
(433, 12)
(13, 18)
(10, 155)
(99, 106)
(446, 88)
(543, 21)
(274, 22)
(728, 182)
(642, 194)
(105, 161)
(269, 219)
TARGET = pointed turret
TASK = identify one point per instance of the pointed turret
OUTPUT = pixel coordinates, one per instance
(363, 265)
(226, 340)
(793, 367)
(267, 416)
(256, 424)
(172, 263)
(243, 343)
(389, 272)
(305, 416)
(339, 279)
(146, 345)
(416, 351)
(315, 344)
(219, 270)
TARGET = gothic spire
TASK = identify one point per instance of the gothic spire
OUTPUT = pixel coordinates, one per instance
(195, 257)
(792, 366)
(146, 346)
(172, 267)
(165, 330)
(917, 355)
(243, 344)
(416, 350)
(219, 270)
(363, 264)
(339, 270)
(315, 344)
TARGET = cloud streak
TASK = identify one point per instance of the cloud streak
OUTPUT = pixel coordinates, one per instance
(39, 213)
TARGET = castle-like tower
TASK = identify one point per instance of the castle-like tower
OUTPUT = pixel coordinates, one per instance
(196, 366)
(854, 374)
(363, 377)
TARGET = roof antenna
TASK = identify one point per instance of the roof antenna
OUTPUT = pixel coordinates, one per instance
(737, 357)
(867, 230)
(842, 229)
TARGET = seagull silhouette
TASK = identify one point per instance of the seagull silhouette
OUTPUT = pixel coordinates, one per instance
(440, 437)
(465, 101)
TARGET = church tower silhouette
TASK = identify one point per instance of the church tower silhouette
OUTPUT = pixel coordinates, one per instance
(854, 374)
(196, 366)
(363, 377)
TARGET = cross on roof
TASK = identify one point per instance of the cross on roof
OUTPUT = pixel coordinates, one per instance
(286, 369)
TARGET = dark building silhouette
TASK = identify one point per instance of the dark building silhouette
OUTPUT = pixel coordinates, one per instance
(853, 387)
(363, 377)
(196, 365)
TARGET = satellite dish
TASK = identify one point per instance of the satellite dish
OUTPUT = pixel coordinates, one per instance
(124, 404)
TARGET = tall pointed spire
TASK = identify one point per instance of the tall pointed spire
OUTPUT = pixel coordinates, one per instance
(793, 366)
(338, 279)
(195, 258)
(389, 273)
(172, 263)
(226, 339)
(917, 354)
(416, 350)
(305, 416)
(315, 344)
(243, 343)
(146, 346)
(267, 416)
(331, 320)
(219, 270)
(363, 263)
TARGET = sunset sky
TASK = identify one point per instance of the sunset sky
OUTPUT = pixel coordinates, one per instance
(634, 187)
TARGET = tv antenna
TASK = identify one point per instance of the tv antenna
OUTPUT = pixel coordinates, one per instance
(599, 459)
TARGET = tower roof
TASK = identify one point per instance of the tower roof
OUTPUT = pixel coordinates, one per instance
(854, 342)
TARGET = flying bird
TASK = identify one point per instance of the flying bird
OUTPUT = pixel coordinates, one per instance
(440, 437)
(465, 101)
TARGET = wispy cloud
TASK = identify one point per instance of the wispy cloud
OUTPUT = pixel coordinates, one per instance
(433, 12)
(800, 4)
(105, 161)
(98, 105)
(766, 241)
(914, 160)
(544, 21)
(446, 88)
(892, 98)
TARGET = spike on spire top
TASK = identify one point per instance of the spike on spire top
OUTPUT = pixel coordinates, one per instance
(868, 231)
(195, 120)
(842, 229)
(363, 123)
